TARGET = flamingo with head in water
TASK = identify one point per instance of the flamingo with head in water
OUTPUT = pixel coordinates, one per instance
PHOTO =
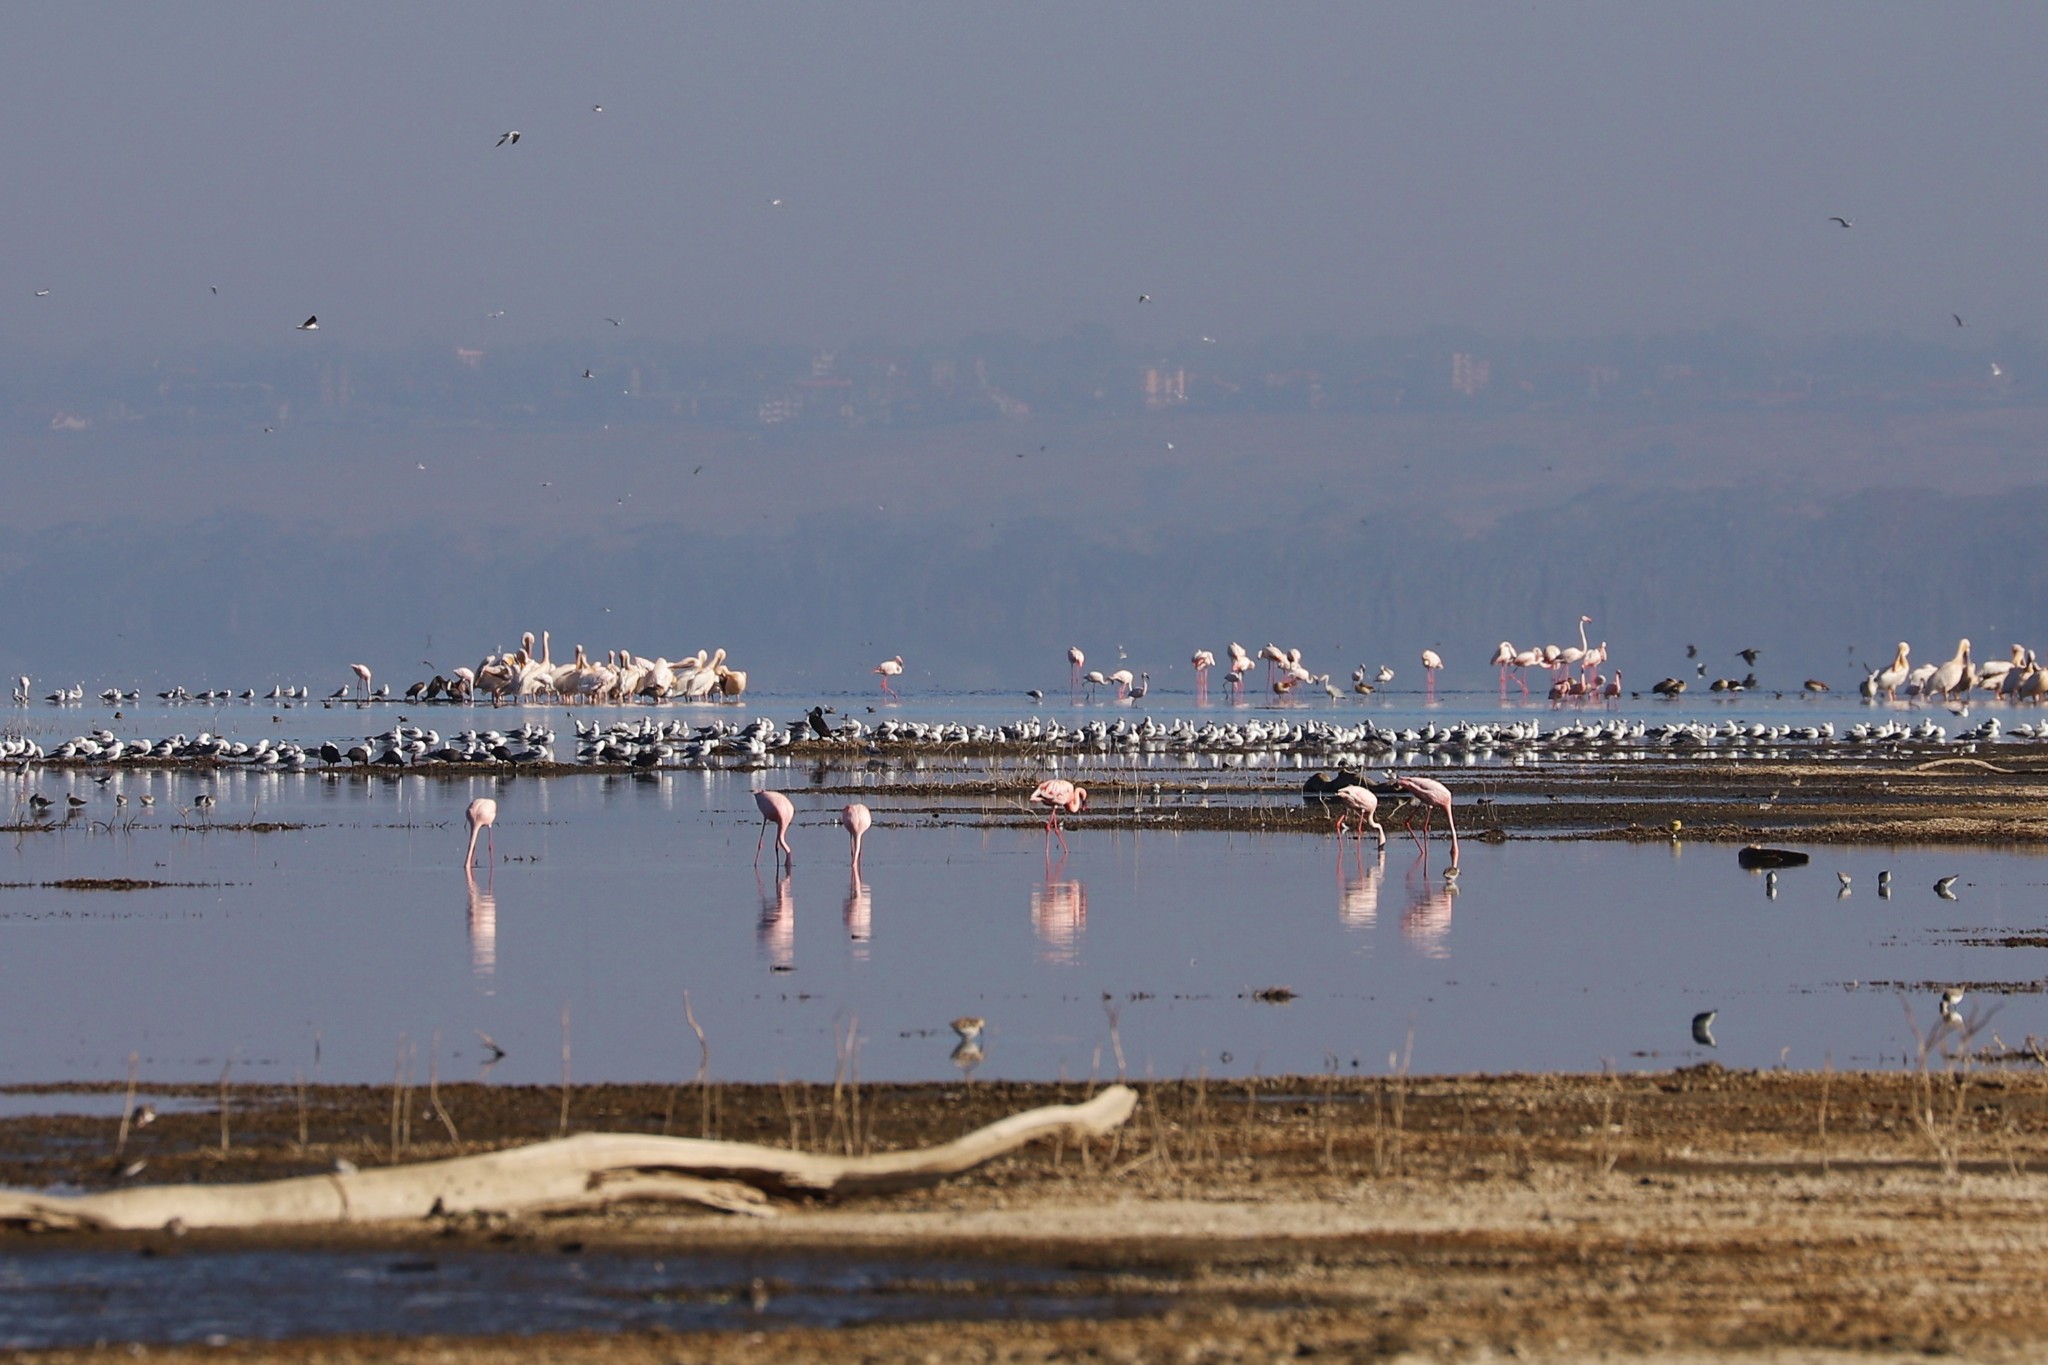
(774, 806)
(1434, 796)
(483, 813)
(855, 819)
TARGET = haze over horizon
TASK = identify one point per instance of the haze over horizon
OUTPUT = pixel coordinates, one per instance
(194, 183)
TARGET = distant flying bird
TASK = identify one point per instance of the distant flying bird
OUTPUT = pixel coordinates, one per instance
(214, 287)
(1958, 317)
(597, 108)
(588, 375)
(1997, 370)
(613, 321)
(1692, 651)
(311, 324)
(774, 203)
(1144, 298)
(1843, 221)
(42, 293)
(513, 138)
(1748, 656)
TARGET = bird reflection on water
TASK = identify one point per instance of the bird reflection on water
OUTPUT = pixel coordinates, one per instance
(1426, 922)
(483, 929)
(1059, 915)
(1358, 898)
(777, 930)
(860, 915)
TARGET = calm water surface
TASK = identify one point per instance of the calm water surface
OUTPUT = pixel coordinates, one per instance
(325, 949)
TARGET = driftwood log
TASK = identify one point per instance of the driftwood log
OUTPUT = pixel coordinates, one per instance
(575, 1174)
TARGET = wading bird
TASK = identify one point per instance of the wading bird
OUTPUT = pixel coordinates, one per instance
(1361, 802)
(774, 806)
(889, 668)
(856, 819)
(1434, 796)
(1056, 795)
(483, 813)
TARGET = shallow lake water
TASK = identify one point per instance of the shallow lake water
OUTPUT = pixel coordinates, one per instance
(74, 1298)
(323, 950)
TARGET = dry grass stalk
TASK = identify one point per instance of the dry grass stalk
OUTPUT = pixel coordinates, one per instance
(562, 1125)
(128, 1109)
(704, 1128)
(225, 1069)
(397, 1083)
(434, 1091)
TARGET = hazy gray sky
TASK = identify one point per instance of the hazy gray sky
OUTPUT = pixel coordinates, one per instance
(1547, 168)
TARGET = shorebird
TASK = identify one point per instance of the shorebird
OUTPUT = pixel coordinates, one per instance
(1951, 998)
(1703, 1028)
(511, 137)
(969, 1027)
(311, 324)
(1844, 877)
(1945, 888)
(1884, 885)
(1771, 885)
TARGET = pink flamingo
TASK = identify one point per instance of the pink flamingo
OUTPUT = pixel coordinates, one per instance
(1056, 795)
(1613, 690)
(1203, 662)
(856, 819)
(1504, 659)
(889, 668)
(483, 813)
(1075, 658)
(774, 806)
(1361, 802)
(1431, 663)
(1434, 796)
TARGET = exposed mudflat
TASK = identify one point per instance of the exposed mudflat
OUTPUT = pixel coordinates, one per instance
(1697, 1214)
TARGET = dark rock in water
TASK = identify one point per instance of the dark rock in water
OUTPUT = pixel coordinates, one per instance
(1756, 856)
(1319, 786)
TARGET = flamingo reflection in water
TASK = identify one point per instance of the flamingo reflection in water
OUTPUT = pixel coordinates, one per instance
(1059, 916)
(860, 915)
(483, 928)
(1358, 898)
(1426, 921)
(777, 930)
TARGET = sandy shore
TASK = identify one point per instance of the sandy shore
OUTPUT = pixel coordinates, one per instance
(1698, 1214)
